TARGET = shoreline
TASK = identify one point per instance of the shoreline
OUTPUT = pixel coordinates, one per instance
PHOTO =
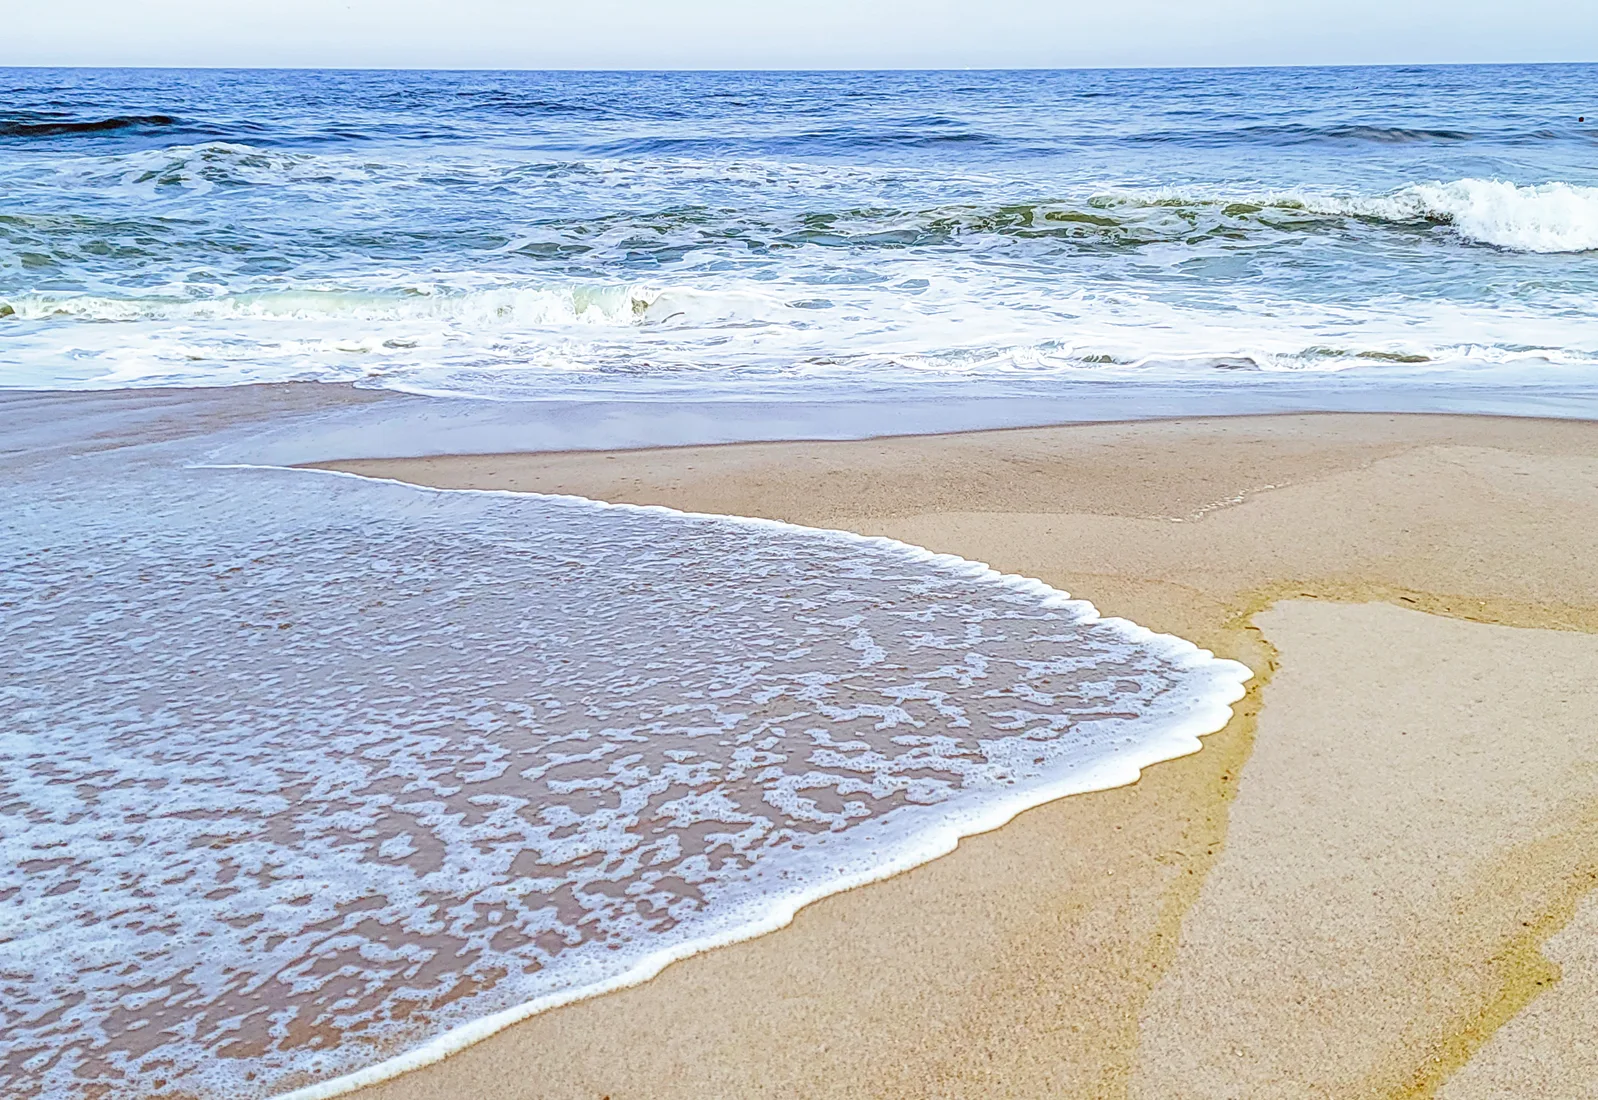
(1181, 738)
(1028, 508)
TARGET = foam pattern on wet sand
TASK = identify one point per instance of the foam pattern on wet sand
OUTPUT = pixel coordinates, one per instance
(304, 774)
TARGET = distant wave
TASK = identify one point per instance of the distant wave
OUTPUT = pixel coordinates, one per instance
(910, 133)
(198, 168)
(47, 127)
(804, 144)
(1297, 134)
(1389, 135)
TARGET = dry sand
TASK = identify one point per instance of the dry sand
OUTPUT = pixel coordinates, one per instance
(1381, 884)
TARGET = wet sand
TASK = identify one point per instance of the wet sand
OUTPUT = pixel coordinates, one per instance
(1372, 883)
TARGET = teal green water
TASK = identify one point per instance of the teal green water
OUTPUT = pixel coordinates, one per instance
(812, 236)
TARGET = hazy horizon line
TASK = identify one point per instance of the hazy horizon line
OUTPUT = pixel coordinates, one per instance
(802, 69)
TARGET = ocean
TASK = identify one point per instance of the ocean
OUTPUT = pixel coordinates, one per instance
(308, 778)
(1413, 236)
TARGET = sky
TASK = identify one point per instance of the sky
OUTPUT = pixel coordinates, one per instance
(727, 34)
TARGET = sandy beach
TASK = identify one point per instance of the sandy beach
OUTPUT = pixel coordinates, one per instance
(557, 565)
(1378, 881)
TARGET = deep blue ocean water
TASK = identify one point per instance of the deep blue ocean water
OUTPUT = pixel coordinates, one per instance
(801, 234)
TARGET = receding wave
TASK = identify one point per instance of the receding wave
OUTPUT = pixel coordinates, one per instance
(306, 772)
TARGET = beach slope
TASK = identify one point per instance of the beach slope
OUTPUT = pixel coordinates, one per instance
(1372, 883)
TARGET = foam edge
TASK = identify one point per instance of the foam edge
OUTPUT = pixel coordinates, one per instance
(1182, 737)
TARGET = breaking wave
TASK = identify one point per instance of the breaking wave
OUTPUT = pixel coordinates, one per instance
(1537, 218)
(1549, 217)
(1346, 134)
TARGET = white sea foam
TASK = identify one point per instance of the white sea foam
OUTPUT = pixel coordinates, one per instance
(1550, 217)
(1121, 285)
(537, 305)
(529, 341)
(302, 772)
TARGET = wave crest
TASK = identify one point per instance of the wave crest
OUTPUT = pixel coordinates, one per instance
(1549, 217)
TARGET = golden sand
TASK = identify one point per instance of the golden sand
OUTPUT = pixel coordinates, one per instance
(1371, 887)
